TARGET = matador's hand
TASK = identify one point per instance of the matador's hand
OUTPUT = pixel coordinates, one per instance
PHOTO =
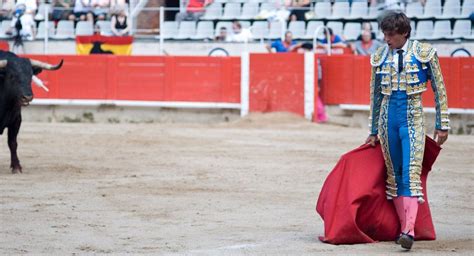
(440, 136)
(372, 140)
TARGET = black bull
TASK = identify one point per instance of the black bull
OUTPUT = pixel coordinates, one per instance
(16, 75)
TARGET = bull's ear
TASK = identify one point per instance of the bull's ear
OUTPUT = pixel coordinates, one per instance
(3, 63)
(36, 70)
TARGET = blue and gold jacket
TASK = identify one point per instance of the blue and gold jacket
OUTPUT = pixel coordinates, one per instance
(420, 65)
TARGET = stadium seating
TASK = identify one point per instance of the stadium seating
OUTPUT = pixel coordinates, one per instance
(186, 30)
(297, 28)
(442, 30)
(462, 29)
(276, 30)
(84, 28)
(105, 29)
(41, 30)
(213, 11)
(249, 11)
(64, 30)
(260, 29)
(352, 30)
(205, 30)
(424, 30)
(312, 26)
(231, 11)
(4, 27)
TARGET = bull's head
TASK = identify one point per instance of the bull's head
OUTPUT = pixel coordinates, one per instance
(23, 72)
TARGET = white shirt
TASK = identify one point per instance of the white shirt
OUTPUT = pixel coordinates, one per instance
(395, 54)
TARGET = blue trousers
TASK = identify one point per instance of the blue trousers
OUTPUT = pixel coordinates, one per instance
(402, 135)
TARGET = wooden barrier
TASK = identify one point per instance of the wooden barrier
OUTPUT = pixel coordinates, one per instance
(276, 80)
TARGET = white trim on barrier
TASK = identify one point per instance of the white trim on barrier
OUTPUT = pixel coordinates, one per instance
(131, 103)
(244, 83)
(308, 85)
(427, 110)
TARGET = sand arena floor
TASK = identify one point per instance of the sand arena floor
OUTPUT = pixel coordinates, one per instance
(242, 188)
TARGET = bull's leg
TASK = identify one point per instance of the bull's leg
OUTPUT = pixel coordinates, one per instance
(13, 145)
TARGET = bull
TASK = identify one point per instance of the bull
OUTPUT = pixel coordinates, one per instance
(16, 75)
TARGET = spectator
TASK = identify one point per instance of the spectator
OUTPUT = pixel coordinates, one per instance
(23, 24)
(366, 26)
(61, 10)
(6, 9)
(100, 9)
(239, 34)
(297, 9)
(367, 45)
(194, 10)
(222, 37)
(288, 45)
(336, 40)
(119, 24)
(83, 10)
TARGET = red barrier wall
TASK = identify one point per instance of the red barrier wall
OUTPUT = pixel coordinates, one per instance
(276, 83)
(197, 79)
(276, 80)
(346, 80)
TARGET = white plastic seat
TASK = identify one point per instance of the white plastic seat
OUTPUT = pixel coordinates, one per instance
(467, 8)
(322, 10)
(311, 28)
(352, 30)
(374, 12)
(245, 23)
(106, 30)
(169, 29)
(205, 30)
(424, 29)
(84, 28)
(42, 29)
(297, 28)
(414, 10)
(4, 27)
(462, 29)
(359, 10)
(260, 29)
(413, 29)
(336, 26)
(64, 30)
(231, 11)
(268, 7)
(249, 11)
(442, 29)
(213, 11)
(432, 9)
(451, 9)
(340, 10)
(276, 30)
(186, 30)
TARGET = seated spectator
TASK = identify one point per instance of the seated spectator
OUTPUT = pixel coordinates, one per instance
(239, 34)
(336, 40)
(62, 10)
(22, 24)
(100, 9)
(288, 45)
(6, 9)
(366, 45)
(119, 23)
(83, 10)
(297, 9)
(222, 37)
(366, 26)
(194, 10)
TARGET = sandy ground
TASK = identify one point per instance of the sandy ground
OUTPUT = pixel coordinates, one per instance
(242, 188)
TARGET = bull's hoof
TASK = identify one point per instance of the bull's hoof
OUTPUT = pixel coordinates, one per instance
(16, 171)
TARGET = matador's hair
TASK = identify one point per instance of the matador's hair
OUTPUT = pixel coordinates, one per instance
(395, 21)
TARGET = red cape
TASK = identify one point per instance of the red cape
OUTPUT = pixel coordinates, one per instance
(353, 204)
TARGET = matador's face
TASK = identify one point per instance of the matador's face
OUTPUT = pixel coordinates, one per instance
(394, 39)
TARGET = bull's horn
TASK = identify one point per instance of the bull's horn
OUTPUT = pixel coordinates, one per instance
(39, 83)
(3, 63)
(44, 65)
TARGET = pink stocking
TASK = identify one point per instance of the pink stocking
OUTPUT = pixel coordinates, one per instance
(321, 111)
(398, 202)
(410, 205)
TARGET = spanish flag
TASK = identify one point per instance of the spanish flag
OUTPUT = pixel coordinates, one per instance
(97, 44)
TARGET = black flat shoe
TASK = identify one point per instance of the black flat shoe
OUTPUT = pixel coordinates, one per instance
(406, 241)
(397, 240)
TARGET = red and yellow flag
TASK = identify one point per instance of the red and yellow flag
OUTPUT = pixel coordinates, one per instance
(97, 44)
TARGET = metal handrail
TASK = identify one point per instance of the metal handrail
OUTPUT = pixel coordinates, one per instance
(328, 38)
